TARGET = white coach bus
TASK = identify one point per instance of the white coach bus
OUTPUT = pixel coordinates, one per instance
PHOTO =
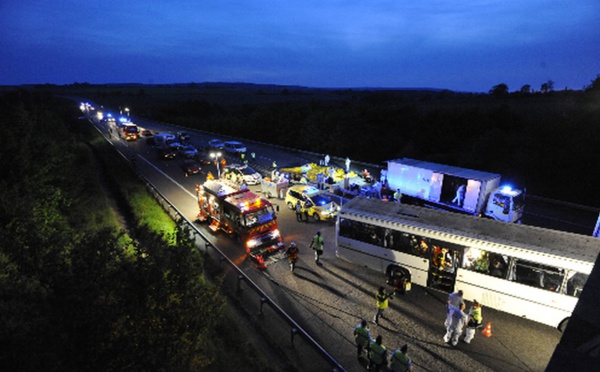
(531, 272)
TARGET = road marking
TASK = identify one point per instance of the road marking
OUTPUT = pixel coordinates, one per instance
(166, 175)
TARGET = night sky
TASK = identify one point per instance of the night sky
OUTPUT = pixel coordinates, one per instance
(458, 45)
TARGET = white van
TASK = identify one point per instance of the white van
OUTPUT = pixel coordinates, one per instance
(234, 147)
(163, 139)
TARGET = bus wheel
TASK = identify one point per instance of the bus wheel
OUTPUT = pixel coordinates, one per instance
(563, 325)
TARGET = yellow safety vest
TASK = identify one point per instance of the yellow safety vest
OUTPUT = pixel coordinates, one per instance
(399, 361)
(475, 314)
(377, 353)
(317, 243)
(382, 300)
(362, 335)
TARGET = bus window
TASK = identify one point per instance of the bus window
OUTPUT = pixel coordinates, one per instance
(407, 243)
(575, 283)
(443, 259)
(345, 228)
(499, 265)
(476, 260)
(537, 275)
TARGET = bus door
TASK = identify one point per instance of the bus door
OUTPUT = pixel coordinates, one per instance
(442, 266)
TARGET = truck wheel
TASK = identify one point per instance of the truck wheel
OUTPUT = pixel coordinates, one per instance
(316, 217)
(290, 205)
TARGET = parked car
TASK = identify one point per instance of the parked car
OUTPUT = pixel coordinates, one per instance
(234, 147)
(188, 151)
(320, 206)
(190, 166)
(175, 146)
(237, 173)
(166, 153)
(183, 136)
(216, 144)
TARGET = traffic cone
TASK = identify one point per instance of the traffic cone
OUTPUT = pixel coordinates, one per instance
(487, 331)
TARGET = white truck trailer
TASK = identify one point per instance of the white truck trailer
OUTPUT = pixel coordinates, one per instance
(456, 189)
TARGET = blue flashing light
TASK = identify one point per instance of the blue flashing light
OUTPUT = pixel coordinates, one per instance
(508, 190)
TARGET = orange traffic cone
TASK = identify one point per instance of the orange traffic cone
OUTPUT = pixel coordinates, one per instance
(487, 331)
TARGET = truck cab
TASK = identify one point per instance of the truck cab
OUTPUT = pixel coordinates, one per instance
(505, 204)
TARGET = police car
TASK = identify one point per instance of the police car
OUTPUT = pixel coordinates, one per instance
(320, 206)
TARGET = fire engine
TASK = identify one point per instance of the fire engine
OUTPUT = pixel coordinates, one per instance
(243, 215)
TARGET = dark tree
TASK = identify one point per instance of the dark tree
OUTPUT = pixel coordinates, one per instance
(499, 90)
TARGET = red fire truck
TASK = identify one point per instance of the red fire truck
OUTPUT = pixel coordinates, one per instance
(243, 215)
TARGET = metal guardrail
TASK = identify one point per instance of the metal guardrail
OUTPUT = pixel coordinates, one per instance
(177, 216)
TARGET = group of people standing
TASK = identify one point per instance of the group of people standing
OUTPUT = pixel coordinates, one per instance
(302, 210)
(377, 352)
(456, 318)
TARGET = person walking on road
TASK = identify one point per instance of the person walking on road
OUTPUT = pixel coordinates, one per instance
(475, 320)
(317, 245)
(377, 354)
(298, 211)
(456, 324)
(326, 160)
(382, 303)
(292, 254)
(362, 336)
(454, 299)
(400, 362)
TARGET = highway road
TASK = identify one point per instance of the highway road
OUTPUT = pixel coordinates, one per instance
(329, 300)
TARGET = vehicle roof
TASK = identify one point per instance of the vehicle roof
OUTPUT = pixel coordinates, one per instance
(234, 142)
(237, 166)
(548, 246)
(447, 169)
(306, 189)
(218, 188)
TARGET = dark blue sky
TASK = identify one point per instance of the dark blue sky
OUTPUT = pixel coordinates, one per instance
(459, 45)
